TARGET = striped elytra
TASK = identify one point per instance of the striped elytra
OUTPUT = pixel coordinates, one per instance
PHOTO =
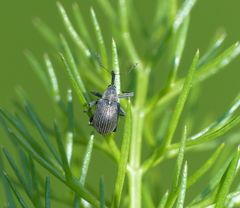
(106, 116)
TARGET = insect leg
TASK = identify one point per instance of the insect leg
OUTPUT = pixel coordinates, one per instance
(97, 94)
(91, 120)
(121, 111)
(126, 95)
(91, 104)
(115, 129)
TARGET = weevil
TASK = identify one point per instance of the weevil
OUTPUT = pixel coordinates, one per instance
(108, 108)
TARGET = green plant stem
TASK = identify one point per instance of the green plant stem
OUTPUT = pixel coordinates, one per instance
(138, 115)
(135, 172)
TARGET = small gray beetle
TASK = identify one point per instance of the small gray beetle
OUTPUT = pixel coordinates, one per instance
(108, 109)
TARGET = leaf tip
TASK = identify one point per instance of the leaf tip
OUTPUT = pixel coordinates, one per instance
(92, 11)
(36, 21)
(238, 149)
(197, 53)
(5, 173)
(75, 6)
(222, 146)
(186, 166)
(59, 5)
(61, 36)
(26, 52)
(45, 56)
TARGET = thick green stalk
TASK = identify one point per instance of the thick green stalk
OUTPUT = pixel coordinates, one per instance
(138, 110)
(134, 167)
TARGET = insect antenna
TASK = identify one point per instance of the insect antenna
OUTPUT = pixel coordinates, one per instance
(99, 61)
(132, 67)
(113, 74)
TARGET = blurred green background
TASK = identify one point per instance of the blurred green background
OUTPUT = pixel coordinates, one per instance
(17, 34)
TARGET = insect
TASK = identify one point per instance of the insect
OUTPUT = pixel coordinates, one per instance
(108, 109)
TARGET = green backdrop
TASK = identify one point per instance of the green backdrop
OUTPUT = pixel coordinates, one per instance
(18, 34)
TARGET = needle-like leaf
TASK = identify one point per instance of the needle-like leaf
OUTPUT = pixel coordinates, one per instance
(7, 190)
(69, 135)
(115, 66)
(205, 71)
(147, 197)
(227, 181)
(86, 160)
(183, 186)
(17, 194)
(17, 173)
(183, 13)
(146, 137)
(205, 167)
(213, 49)
(62, 152)
(163, 201)
(53, 79)
(47, 193)
(72, 32)
(154, 159)
(179, 162)
(177, 50)
(100, 40)
(102, 193)
(107, 9)
(24, 138)
(47, 33)
(216, 129)
(85, 167)
(181, 102)
(122, 166)
(128, 43)
(209, 191)
(38, 69)
(73, 73)
(44, 135)
(82, 29)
